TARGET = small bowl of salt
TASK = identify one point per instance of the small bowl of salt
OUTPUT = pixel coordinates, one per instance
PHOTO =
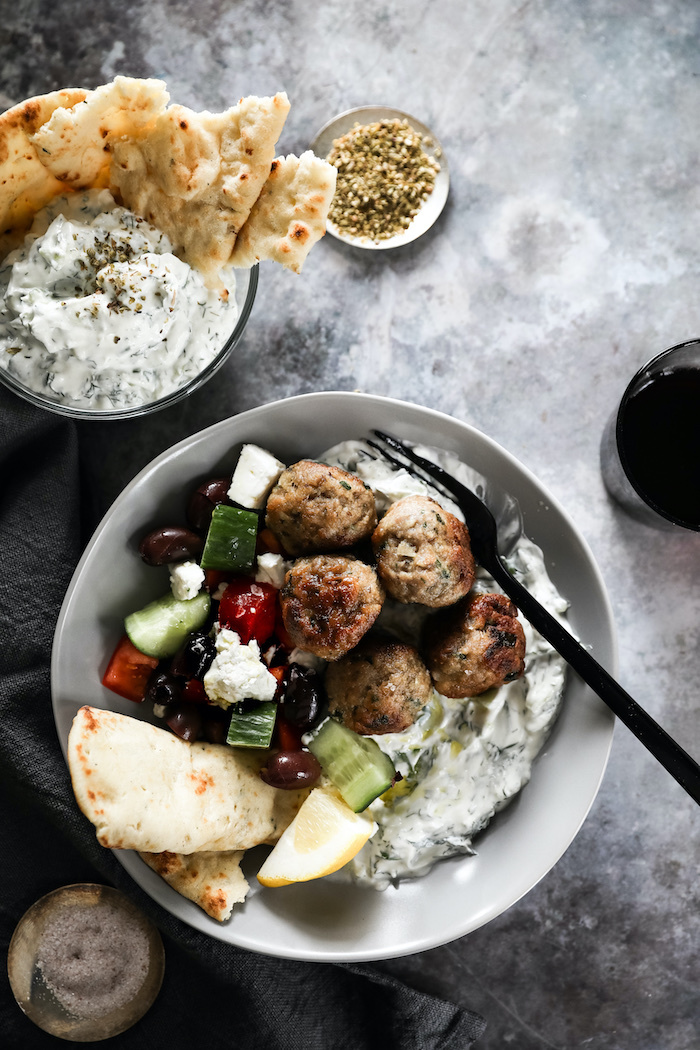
(84, 963)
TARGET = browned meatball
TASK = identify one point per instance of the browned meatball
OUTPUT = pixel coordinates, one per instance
(379, 687)
(423, 553)
(475, 646)
(314, 507)
(329, 601)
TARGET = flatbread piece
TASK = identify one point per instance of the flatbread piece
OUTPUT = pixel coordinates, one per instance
(289, 215)
(76, 142)
(26, 184)
(213, 880)
(196, 176)
(145, 789)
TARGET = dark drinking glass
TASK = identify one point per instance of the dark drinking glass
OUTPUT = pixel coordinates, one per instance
(650, 453)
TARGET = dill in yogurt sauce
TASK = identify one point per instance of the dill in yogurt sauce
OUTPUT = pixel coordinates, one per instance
(463, 759)
(96, 311)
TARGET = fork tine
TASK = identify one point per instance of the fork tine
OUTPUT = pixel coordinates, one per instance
(455, 488)
(395, 462)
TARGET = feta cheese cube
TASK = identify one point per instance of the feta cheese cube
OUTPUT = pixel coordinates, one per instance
(186, 579)
(237, 672)
(256, 472)
(272, 568)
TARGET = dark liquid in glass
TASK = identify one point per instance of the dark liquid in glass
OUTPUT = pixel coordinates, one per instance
(659, 442)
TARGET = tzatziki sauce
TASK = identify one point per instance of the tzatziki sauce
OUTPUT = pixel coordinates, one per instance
(97, 312)
(463, 759)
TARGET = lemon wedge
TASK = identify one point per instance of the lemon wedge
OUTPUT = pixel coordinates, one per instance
(324, 835)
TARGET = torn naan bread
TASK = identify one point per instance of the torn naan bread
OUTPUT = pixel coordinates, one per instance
(196, 176)
(145, 789)
(290, 213)
(213, 880)
(76, 143)
(26, 184)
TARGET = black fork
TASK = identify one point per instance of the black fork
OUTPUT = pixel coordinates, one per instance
(483, 533)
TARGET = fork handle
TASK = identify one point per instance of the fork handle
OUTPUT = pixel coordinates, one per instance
(664, 748)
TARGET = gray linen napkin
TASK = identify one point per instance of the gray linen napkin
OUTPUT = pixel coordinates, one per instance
(218, 995)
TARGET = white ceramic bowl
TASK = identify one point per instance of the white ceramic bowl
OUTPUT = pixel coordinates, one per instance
(331, 919)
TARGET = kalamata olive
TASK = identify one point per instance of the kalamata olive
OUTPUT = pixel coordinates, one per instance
(163, 688)
(291, 769)
(195, 657)
(216, 722)
(203, 500)
(185, 720)
(171, 543)
(304, 696)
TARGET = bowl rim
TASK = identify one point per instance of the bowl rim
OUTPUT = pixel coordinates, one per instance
(148, 407)
(585, 704)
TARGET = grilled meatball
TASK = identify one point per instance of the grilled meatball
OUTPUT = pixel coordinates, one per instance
(476, 645)
(328, 603)
(314, 507)
(379, 687)
(423, 553)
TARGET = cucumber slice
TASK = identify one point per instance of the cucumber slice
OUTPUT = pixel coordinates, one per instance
(356, 764)
(253, 728)
(160, 628)
(230, 542)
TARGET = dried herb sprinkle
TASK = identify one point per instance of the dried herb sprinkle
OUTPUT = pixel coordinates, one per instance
(384, 175)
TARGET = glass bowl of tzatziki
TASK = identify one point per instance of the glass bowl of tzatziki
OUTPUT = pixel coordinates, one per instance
(495, 788)
(99, 319)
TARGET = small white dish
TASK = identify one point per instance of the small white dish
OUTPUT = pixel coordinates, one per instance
(332, 919)
(434, 203)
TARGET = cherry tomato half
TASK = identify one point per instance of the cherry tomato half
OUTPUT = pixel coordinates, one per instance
(249, 609)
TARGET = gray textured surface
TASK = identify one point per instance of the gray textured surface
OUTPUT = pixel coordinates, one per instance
(567, 255)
